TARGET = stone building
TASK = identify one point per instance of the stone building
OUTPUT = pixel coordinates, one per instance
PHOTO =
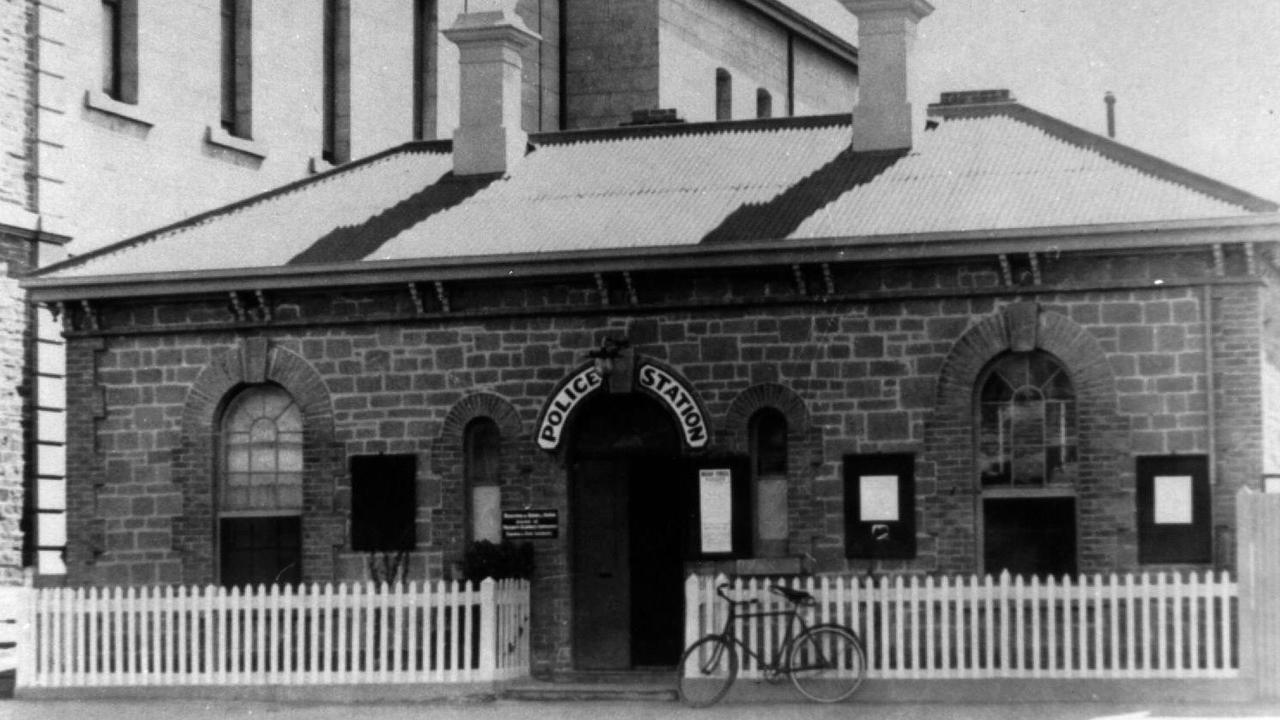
(819, 344)
(125, 116)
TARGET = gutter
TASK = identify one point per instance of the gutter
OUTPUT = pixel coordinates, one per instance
(1263, 228)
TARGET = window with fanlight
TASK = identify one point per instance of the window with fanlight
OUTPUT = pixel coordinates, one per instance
(262, 441)
(1027, 422)
(260, 488)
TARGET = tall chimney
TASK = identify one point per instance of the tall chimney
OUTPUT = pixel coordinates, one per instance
(886, 37)
(489, 138)
(1110, 99)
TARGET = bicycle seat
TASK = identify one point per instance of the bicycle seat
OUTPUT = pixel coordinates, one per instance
(799, 597)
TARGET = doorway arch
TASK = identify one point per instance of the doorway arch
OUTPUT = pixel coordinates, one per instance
(630, 495)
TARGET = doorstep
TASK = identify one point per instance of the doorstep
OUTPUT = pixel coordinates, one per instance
(651, 685)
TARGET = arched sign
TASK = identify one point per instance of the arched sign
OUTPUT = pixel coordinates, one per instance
(669, 388)
(660, 382)
(567, 395)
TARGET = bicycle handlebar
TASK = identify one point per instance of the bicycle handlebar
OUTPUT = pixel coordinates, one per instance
(725, 586)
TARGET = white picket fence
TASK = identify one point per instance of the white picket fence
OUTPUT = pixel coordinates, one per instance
(1161, 626)
(415, 632)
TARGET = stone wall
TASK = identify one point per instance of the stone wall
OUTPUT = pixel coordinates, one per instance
(885, 363)
(13, 324)
(18, 108)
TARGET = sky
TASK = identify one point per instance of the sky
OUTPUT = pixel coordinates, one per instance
(1197, 82)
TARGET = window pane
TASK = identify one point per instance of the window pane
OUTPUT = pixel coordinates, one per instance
(769, 442)
(1026, 421)
(483, 450)
(262, 466)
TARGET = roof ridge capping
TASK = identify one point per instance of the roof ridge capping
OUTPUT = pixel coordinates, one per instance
(988, 103)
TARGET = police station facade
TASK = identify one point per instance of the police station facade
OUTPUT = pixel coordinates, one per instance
(766, 395)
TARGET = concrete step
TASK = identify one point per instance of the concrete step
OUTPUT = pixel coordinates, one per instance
(596, 686)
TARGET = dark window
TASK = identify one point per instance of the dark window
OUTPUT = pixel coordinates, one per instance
(425, 25)
(764, 104)
(236, 67)
(482, 445)
(724, 95)
(261, 550)
(120, 50)
(383, 502)
(879, 506)
(769, 442)
(1027, 419)
(111, 47)
(1174, 510)
(337, 100)
(1029, 536)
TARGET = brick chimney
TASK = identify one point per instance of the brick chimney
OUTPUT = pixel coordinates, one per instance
(886, 36)
(489, 138)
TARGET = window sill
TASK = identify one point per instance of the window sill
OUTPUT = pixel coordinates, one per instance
(215, 135)
(103, 103)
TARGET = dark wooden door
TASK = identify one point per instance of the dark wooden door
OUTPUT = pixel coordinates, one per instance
(601, 572)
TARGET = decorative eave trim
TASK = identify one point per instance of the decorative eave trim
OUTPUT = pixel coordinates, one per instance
(1259, 229)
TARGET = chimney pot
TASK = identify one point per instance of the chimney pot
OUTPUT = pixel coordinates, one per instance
(886, 38)
(489, 138)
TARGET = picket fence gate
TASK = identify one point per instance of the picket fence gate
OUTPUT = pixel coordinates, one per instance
(413, 632)
(1096, 626)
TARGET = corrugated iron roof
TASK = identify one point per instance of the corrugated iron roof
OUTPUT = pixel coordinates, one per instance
(771, 181)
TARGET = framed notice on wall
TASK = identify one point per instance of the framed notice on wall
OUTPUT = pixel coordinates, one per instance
(715, 505)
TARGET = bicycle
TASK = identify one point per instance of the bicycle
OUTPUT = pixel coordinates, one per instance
(825, 662)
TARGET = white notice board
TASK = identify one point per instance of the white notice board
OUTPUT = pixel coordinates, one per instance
(715, 504)
(878, 498)
(1173, 500)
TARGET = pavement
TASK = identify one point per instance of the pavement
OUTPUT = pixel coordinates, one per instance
(612, 710)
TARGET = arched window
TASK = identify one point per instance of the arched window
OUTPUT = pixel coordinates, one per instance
(482, 457)
(764, 103)
(260, 488)
(724, 95)
(1027, 443)
(768, 432)
(1027, 423)
(262, 439)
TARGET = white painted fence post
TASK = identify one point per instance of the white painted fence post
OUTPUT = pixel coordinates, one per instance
(25, 614)
(691, 600)
(1258, 565)
(488, 631)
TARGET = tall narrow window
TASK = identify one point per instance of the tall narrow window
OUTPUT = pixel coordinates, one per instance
(120, 50)
(425, 30)
(1027, 422)
(768, 430)
(1026, 417)
(482, 455)
(764, 103)
(237, 68)
(260, 493)
(724, 95)
(337, 81)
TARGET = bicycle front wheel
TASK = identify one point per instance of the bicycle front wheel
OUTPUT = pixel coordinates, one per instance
(707, 671)
(827, 663)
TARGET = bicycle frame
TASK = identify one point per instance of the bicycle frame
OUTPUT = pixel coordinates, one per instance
(777, 663)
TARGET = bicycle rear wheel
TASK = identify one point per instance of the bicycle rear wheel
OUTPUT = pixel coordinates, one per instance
(707, 670)
(827, 663)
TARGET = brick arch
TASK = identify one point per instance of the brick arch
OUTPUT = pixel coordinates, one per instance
(251, 362)
(1103, 478)
(450, 521)
(1024, 329)
(481, 405)
(757, 397)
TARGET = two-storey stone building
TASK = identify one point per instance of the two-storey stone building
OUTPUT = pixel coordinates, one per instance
(820, 344)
